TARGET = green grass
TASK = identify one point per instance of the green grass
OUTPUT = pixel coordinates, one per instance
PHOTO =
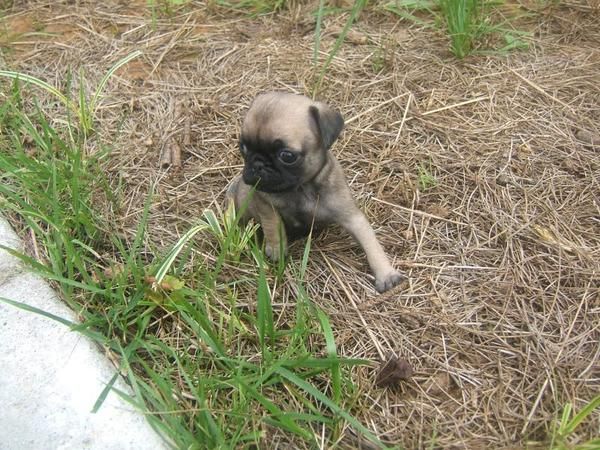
(409, 10)
(83, 108)
(463, 21)
(353, 15)
(426, 179)
(208, 370)
(470, 24)
(254, 6)
(563, 431)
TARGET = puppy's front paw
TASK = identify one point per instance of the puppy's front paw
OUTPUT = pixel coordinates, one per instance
(273, 252)
(391, 279)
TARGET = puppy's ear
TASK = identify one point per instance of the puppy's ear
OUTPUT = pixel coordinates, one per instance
(328, 121)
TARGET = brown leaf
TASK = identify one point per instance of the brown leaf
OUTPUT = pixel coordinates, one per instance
(392, 371)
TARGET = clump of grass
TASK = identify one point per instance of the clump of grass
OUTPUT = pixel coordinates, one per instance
(255, 6)
(164, 8)
(467, 22)
(83, 108)
(209, 371)
(426, 179)
(462, 19)
(50, 185)
(383, 56)
(567, 425)
(407, 9)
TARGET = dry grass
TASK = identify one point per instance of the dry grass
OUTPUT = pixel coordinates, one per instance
(501, 318)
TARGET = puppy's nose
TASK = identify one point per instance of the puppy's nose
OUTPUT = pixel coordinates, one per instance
(258, 167)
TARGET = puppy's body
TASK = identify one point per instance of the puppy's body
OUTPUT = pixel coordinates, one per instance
(299, 183)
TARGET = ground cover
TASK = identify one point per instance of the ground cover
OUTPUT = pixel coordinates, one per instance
(481, 175)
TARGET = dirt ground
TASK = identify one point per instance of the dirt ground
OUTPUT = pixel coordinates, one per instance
(481, 177)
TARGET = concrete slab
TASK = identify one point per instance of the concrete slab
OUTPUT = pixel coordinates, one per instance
(51, 377)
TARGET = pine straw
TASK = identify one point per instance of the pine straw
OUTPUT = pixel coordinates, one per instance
(501, 316)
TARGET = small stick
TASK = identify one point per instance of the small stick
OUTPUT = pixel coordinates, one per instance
(170, 45)
(535, 406)
(373, 108)
(173, 108)
(224, 55)
(456, 105)
(358, 311)
(444, 108)
(410, 96)
(165, 159)
(36, 251)
(175, 154)
(541, 91)
(177, 109)
(187, 125)
(420, 213)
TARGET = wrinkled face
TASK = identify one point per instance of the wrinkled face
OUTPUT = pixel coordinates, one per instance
(282, 141)
(272, 165)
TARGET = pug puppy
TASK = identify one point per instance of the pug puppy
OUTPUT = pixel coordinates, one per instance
(298, 184)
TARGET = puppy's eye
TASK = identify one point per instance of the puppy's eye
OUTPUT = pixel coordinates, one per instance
(287, 157)
(243, 149)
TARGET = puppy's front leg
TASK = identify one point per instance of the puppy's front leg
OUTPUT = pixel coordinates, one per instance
(274, 232)
(386, 277)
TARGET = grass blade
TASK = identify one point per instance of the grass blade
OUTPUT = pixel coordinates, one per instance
(284, 420)
(104, 393)
(108, 75)
(336, 409)
(41, 312)
(177, 248)
(356, 9)
(318, 31)
(80, 328)
(581, 415)
(264, 313)
(336, 378)
(39, 83)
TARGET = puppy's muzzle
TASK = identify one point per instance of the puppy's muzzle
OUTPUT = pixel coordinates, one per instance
(255, 172)
(258, 168)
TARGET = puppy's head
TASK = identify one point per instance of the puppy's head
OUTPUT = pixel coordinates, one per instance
(284, 141)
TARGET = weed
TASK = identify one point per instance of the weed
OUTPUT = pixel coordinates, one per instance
(255, 6)
(163, 7)
(358, 6)
(84, 108)
(407, 9)
(426, 178)
(466, 21)
(567, 425)
(382, 57)
(377, 60)
(462, 19)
